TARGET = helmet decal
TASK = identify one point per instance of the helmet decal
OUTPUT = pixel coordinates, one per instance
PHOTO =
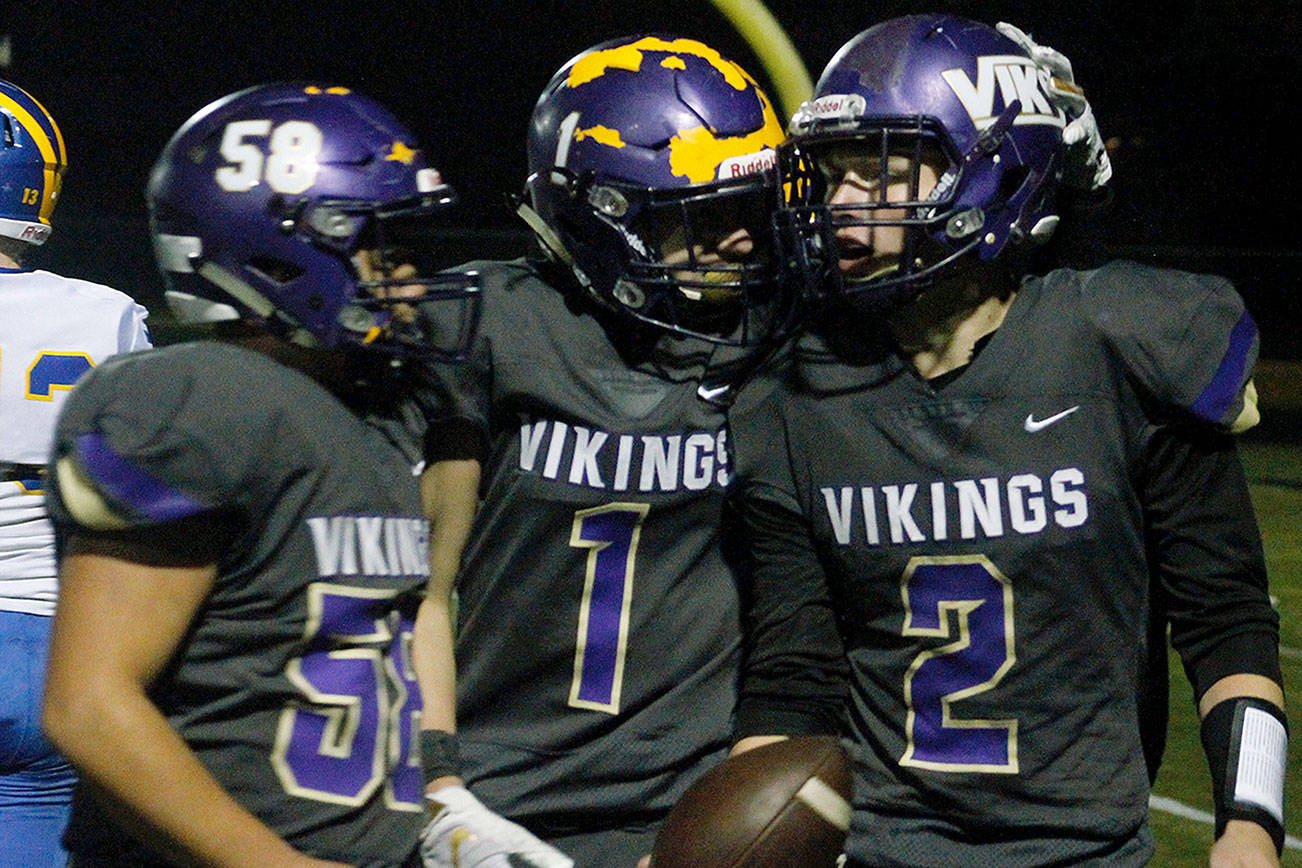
(399, 152)
(696, 153)
(630, 56)
(699, 155)
(600, 134)
(1017, 78)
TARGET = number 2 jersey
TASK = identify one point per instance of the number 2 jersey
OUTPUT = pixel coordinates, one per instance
(52, 330)
(984, 551)
(598, 637)
(294, 686)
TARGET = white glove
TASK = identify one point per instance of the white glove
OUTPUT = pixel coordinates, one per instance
(1088, 166)
(465, 834)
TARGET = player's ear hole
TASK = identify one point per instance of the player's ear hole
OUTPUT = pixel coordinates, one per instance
(275, 269)
(1012, 181)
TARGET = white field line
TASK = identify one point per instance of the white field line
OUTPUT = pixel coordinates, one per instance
(1180, 809)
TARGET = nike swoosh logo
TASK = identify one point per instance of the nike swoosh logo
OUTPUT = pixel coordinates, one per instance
(1032, 424)
(710, 393)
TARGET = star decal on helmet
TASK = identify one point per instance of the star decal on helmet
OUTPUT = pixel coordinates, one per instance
(401, 153)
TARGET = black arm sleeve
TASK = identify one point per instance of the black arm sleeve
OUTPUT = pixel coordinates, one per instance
(795, 674)
(454, 440)
(1203, 533)
(454, 399)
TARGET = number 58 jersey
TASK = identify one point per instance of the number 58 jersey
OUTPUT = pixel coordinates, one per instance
(294, 685)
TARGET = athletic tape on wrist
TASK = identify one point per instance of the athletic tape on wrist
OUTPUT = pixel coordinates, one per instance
(1246, 742)
(440, 754)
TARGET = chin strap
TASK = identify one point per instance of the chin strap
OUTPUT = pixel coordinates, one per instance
(555, 249)
(255, 301)
(551, 242)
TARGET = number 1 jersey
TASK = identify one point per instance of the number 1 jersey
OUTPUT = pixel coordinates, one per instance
(598, 634)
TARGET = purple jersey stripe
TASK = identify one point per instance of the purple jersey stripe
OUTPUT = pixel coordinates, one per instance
(1223, 389)
(129, 485)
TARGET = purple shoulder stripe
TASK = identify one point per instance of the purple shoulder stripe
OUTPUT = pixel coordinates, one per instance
(127, 484)
(1219, 395)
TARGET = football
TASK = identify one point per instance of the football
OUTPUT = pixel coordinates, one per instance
(784, 804)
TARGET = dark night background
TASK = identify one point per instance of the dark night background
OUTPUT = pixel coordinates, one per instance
(1202, 97)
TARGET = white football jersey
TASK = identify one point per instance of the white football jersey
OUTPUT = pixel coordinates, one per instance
(52, 330)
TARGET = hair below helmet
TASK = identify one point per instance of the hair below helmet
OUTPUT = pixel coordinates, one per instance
(938, 89)
(307, 208)
(32, 162)
(651, 164)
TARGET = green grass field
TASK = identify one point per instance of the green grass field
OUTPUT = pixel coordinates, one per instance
(1275, 471)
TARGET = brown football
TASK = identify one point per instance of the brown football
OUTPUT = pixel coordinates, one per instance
(783, 805)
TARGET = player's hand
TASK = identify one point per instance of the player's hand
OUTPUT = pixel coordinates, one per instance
(1244, 845)
(1087, 166)
(465, 834)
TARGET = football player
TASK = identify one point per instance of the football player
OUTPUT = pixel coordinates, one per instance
(957, 487)
(52, 330)
(242, 555)
(599, 634)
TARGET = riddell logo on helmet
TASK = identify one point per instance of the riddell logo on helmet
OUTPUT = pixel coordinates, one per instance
(836, 105)
(1013, 77)
(748, 164)
(34, 234)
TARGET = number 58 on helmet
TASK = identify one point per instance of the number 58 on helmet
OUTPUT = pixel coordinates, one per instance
(310, 209)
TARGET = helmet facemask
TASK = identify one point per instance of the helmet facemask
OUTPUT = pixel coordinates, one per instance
(935, 91)
(390, 250)
(695, 261)
(910, 178)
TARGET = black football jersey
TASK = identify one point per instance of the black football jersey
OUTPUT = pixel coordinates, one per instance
(983, 548)
(294, 687)
(598, 638)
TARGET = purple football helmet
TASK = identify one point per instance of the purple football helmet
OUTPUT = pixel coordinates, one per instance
(262, 204)
(955, 94)
(645, 152)
(32, 161)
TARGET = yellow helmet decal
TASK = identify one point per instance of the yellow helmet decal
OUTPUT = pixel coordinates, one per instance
(630, 57)
(696, 153)
(52, 152)
(401, 153)
(601, 135)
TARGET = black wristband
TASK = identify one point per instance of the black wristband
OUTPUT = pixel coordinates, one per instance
(440, 755)
(1223, 740)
